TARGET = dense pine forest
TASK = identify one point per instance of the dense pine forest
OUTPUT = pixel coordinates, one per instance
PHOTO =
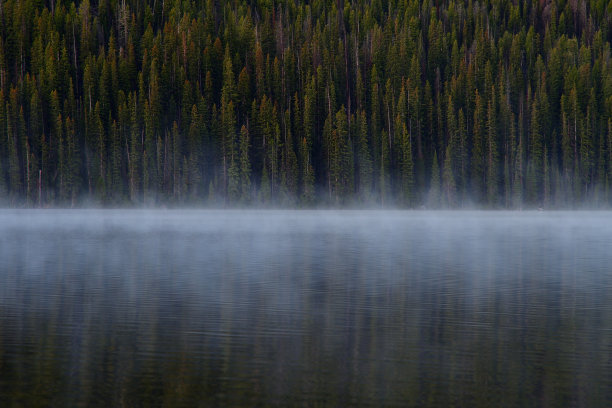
(492, 103)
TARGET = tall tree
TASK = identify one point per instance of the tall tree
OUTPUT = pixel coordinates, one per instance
(245, 166)
(478, 149)
(433, 199)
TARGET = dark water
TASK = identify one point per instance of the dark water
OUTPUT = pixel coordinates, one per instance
(222, 308)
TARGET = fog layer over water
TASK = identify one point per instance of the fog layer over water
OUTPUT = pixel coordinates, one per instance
(308, 308)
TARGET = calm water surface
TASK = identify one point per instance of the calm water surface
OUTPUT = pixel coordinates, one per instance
(300, 308)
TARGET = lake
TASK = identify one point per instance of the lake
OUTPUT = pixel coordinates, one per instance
(305, 308)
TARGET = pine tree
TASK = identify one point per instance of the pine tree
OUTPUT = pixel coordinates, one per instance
(546, 194)
(407, 167)
(449, 188)
(609, 161)
(15, 185)
(135, 157)
(433, 199)
(586, 155)
(195, 141)
(233, 187)
(384, 183)
(117, 180)
(375, 127)
(364, 160)
(152, 113)
(265, 191)
(478, 150)
(100, 155)
(44, 168)
(174, 168)
(62, 166)
(228, 142)
(3, 149)
(307, 175)
(492, 156)
(462, 157)
(24, 154)
(73, 160)
(120, 76)
(228, 118)
(272, 157)
(307, 170)
(289, 170)
(535, 165)
(345, 157)
(330, 151)
(245, 166)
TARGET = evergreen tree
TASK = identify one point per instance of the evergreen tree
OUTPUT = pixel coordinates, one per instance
(15, 185)
(407, 167)
(449, 188)
(364, 160)
(195, 141)
(153, 98)
(345, 162)
(245, 166)
(233, 188)
(433, 200)
(492, 156)
(135, 157)
(307, 171)
(384, 179)
(478, 149)
(586, 155)
(101, 155)
(461, 174)
(3, 149)
(289, 171)
(73, 160)
(535, 165)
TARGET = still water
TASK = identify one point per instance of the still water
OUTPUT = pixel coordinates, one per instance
(305, 308)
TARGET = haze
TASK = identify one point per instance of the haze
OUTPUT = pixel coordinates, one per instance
(244, 308)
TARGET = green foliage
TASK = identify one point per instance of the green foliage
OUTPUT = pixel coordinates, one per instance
(132, 102)
(433, 199)
(449, 187)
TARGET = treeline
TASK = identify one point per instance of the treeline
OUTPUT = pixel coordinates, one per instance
(494, 103)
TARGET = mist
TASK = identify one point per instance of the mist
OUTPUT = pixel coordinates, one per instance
(241, 308)
(305, 203)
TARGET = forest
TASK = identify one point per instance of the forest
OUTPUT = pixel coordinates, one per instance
(403, 103)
